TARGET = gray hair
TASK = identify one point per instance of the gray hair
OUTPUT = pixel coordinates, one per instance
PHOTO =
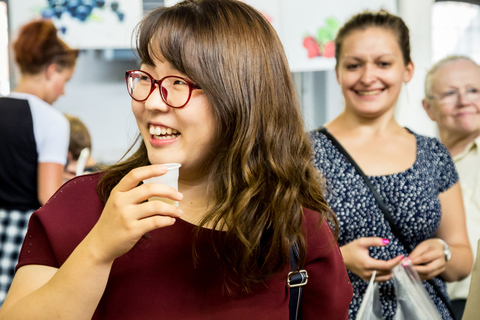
(437, 66)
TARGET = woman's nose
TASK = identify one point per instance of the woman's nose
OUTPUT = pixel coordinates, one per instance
(155, 101)
(368, 75)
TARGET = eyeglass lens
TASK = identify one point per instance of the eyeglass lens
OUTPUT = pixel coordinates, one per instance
(174, 91)
(453, 96)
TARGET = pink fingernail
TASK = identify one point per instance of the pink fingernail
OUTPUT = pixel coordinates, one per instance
(385, 241)
(406, 261)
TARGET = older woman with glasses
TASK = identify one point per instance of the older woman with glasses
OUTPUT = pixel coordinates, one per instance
(205, 96)
(452, 100)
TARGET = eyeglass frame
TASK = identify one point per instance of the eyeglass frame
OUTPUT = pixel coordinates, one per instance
(191, 86)
(458, 94)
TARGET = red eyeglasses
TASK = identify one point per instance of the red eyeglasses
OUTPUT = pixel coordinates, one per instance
(175, 91)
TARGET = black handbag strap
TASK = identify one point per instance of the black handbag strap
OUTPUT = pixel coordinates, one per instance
(296, 280)
(386, 212)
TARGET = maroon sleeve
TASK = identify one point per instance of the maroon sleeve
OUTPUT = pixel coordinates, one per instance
(328, 293)
(36, 248)
(56, 229)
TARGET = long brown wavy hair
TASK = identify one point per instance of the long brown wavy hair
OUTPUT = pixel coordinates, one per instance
(261, 174)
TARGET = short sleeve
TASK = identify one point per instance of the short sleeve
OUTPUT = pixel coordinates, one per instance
(53, 142)
(36, 248)
(328, 292)
(448, 175)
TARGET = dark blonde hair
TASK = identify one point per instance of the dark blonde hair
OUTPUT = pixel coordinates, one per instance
(380, 19)
(261, 174)
(37, 46)
(79, 136)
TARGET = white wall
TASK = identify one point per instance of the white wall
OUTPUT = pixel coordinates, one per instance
(418, 16)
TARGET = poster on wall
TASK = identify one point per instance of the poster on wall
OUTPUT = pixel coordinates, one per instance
(84, 24)
(307, 28)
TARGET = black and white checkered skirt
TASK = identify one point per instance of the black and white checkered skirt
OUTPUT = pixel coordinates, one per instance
(13, 227)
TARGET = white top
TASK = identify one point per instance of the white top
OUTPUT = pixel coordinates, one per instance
(50, 127)
(468, 167)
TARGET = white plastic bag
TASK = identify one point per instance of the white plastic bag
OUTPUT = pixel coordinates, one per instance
(413, 301)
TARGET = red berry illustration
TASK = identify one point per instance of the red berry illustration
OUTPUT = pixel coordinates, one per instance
(312, 46)
(329, 49)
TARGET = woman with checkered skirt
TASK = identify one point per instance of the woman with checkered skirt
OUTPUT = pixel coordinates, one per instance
(33, 136)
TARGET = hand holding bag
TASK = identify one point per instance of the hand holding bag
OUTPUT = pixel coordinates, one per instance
(413, 301)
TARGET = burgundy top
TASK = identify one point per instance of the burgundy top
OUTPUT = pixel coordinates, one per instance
(158, 279)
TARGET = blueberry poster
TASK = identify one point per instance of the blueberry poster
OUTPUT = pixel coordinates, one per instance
(84, 24)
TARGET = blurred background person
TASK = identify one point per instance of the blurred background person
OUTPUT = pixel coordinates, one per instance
(413, 174)
(79, 158)
(33, 135)
(452, 100)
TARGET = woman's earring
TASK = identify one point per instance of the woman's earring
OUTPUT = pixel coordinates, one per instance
(406, 92)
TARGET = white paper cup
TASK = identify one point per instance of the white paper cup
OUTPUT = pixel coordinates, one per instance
(170, 179)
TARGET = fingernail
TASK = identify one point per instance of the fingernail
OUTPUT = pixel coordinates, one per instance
(406, 261)
(385, 241)
(402, 256)
(180, 212)
(180, 196)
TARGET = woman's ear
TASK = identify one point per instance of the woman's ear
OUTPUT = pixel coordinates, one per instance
(51, 70)
(409, 68)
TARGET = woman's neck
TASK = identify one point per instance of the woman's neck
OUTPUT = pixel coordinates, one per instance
(31, 85)
(196, 202)
(455, 142)
(348, 123)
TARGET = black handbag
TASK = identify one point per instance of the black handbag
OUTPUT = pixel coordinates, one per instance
(386, 213)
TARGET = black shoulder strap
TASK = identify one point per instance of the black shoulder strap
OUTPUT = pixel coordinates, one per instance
(386, 213)
(296, 280)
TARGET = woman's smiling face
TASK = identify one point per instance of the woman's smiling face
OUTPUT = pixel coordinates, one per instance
(371, 71)
(183, 135)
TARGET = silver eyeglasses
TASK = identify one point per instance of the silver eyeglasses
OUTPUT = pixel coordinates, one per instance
(452, 96)
(175, 91)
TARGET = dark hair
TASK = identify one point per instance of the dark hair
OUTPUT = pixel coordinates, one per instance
(380, 19)
(260, 173)
(38, 46)
(79, 136)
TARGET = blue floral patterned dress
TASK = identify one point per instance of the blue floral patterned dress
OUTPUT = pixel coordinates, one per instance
(411, 196)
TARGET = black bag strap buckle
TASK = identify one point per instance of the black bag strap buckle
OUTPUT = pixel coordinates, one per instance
(297, 278)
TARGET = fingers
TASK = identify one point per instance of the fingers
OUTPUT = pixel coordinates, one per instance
(151, 190)
(156, 208)
(372, 242)
(133, 178)
(385, 265)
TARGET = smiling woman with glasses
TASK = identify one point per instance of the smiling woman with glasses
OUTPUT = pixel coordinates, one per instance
(205, 96)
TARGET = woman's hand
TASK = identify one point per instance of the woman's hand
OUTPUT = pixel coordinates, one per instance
(357, 259)
(428, 259)
(127, 215)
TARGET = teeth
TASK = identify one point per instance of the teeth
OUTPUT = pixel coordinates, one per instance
(162, 133)
(369, 93)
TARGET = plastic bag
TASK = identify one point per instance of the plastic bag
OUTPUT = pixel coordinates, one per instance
(413, 301)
